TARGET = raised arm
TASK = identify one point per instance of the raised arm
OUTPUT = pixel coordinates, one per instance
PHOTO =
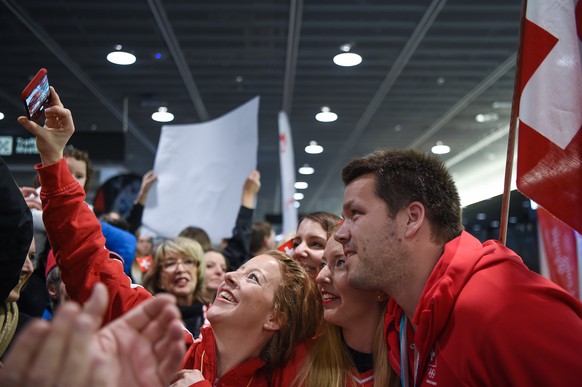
(73, 230)
(238, 247)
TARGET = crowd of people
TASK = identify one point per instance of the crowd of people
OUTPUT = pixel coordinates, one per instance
(394, 292)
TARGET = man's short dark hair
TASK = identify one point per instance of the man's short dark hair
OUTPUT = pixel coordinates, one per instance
(407, 175)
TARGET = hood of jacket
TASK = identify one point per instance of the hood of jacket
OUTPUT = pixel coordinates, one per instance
(462, 258)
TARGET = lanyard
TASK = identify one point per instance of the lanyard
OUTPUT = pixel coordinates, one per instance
(404, 369)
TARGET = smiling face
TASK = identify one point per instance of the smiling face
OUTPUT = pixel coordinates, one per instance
(344, 305)
(25, 273)
(308, 245)
(376, 257)
(246, 298)
(179, 276)
(215, 270)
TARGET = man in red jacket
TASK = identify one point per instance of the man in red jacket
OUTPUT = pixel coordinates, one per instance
(461, 312)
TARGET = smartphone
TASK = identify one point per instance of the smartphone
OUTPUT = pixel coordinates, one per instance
(36, 96)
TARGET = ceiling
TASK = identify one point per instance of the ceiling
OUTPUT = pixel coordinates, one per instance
(429, 67)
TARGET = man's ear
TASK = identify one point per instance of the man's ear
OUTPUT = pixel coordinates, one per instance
(273, 322)
(415, 218)
(52, 291)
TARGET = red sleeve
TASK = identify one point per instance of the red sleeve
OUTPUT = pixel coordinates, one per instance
(79, 245)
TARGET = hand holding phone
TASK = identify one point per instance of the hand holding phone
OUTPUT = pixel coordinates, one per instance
(36, 96)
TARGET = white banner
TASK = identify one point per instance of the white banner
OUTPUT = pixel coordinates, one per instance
(287, 162)
(201, 169)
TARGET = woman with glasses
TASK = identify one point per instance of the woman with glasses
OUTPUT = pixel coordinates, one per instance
(178, 268)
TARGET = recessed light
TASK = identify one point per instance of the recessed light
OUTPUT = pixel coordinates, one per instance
(163, 115)
(306, 170)
(486, 117)
(326, 115)
(440, 148)
(313, 148)
(119, 57)
(296, 204)
(346, 58)
(1, 116)
(441, 81)
(301, 185)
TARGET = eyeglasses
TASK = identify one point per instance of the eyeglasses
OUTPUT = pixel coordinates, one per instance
(172, 265)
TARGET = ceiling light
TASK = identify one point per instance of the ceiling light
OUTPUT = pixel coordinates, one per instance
(440, 148)
(326, 115)
(301, 185)
(306, 170)
(346, 58)
(163, 115)
(501, 105)
(1, 116)
(120, 57)
(298, 196)
(486, 117)
(313, 148)
(296, 204)
(441, 81)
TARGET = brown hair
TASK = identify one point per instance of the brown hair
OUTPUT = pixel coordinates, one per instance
(404, 176)
(184, 246)
(77, 154)
(199, 235)
(298, 305)
(328, 221)
(261, 230)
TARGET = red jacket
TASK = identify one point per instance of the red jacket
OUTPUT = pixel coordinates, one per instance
(201, 355)
(79, 245)
(485, 319)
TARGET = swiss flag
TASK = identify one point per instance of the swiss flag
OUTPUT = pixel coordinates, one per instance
(286, 247)
(549, 164)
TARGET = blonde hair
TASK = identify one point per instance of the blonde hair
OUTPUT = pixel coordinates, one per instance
(185, 247)
(329, 362)
(298, 306)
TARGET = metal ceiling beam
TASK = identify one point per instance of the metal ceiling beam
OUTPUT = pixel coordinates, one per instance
(174, 46)
(293, 37)
(493, 77)
(478, 146)
(43, 36)
(415, 39)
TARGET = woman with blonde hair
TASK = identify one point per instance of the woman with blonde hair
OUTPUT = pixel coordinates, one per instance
(351, 349)
(178, 268)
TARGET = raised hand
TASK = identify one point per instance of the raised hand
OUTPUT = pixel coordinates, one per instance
(142, 348)
(59, 352)
(58, 129)
(31, 198)
(251, 187)
(146, 184)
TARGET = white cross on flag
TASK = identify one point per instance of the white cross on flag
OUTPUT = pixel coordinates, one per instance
(549, 164)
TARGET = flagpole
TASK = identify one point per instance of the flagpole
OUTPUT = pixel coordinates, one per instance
(511, 136)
